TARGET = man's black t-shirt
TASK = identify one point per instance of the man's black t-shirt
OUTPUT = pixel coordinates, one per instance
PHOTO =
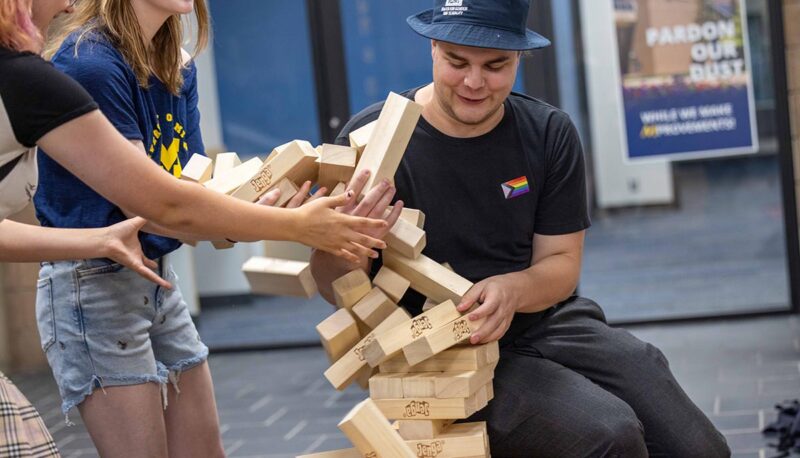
(485, 197)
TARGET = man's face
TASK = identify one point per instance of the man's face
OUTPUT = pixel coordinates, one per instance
(471, 84)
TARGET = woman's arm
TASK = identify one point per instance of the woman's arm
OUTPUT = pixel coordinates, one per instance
(96, 153)
(27, 243)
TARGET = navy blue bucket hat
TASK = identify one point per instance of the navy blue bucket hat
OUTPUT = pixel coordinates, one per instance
(496, 24)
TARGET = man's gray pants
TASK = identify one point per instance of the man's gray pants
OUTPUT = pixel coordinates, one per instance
(571, 386)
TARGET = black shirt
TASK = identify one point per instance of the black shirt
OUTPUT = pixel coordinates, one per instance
(485, 197)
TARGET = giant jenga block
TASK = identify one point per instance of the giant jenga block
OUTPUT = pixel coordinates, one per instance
(406, 239)
(351, 288)
(336, 164)
(339, 189)
(360, 137)
(441, 339)
(373, 308)
(344, 371)
(198, 169)
(224, 162)
(389, 140)
(297, 162)
(428, 277)
(338, 334)
(413, 216)
(279, 277)
(461, 440)
(386, 386)
(464, 383)
(432, 408)
(288, 190)
(460, 358)
(230, 180)
(391, 283)
(421, 429)
(370, 432)
(420, 385)
(386, 344)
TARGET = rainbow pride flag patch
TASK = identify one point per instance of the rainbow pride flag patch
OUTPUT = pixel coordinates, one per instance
(516, 187)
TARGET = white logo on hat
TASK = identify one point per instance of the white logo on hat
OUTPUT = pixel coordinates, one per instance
(453, 2)
(454, 8)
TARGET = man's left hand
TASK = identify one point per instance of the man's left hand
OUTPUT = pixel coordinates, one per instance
(497, 300)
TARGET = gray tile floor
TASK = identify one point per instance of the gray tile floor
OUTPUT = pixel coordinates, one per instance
(734, 370)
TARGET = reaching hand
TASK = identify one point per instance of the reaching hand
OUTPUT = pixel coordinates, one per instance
(321, 226)
(496, 300)
(269, 199)
(374, 204)
(121, 244)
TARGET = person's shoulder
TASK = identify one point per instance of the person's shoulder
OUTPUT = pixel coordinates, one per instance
(25, 71)
(89, 51)
(538, 111)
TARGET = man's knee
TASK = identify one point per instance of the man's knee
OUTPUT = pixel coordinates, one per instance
(616, 436)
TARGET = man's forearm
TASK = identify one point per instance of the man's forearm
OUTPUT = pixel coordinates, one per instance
(27, 243)
(546, 283)
(326, 268)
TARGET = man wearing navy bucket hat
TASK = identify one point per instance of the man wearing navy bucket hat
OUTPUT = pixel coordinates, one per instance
(500, 177)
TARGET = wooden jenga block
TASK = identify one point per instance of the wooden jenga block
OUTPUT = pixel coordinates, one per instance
(343, 453)
(338, 334)
(428, 277)
(429, 304)
(386, 386)
(336, 164)
(369, 431)
(230, 180)
(279, 277)
(459, 358)
(224, 162)
(413, 216)
(288, 190)
(441, 339)
(392, 341)
(462, 384)
(351, 288)
(430, 408)
(339, 189)
(222, 244)
(461, 440)
(360, 137)
(406, 239)
(389, 140)
(373, 308)
(198, 169)
(391, 283)
(347, 368)
(420, 385)
(297, 162)
(421, 429)
(277, 150)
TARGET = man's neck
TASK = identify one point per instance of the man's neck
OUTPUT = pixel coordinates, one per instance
(436, 116)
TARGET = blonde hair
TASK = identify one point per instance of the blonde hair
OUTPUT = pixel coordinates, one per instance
(17, 30)
(117, 20)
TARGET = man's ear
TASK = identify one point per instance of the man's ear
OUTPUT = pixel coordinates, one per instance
(433, 48)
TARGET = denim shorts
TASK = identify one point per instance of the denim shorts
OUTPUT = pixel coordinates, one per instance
(102, 324)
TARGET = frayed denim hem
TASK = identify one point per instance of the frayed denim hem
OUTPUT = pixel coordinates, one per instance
(102, 382)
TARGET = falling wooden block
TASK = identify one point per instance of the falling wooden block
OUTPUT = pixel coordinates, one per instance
(429, 304)
(441, 339)
(428, 277)
(347, 368)
(389, 139)
(360, 137)
(413, 216)
(297, 162)
(339, 189)
(460, 358)
(351, 288)
(338, 334)
(230, 180)
(343, 453)
(279, 277)
(336, 164)
(406, 239)
(386, 386)
(462, 384)
(373, 308)
(288, 190)
(391, 283)
(393, 340)
(421, 429)
(198, 169)
(369, 431)
(420, 385)
(430, 408)
(222, 244)
(461, 440)
(224, 162)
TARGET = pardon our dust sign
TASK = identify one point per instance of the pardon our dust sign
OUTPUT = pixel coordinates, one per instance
(685, 72)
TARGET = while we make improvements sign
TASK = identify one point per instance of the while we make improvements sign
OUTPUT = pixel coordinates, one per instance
(685, 78)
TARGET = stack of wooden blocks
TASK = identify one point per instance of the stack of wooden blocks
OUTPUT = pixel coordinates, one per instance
(420, 371)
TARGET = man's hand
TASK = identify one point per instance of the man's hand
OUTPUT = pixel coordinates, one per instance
(497, 299)
(269, 199)
(121, 244)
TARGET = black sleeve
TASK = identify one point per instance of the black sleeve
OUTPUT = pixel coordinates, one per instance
(562, 207)
(37, 97)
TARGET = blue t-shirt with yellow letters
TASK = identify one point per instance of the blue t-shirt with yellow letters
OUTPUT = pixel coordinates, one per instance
(167, 125)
